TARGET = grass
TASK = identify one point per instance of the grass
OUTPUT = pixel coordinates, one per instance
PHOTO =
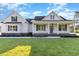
(43, 46)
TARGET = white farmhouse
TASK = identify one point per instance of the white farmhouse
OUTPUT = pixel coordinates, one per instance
(52, 24)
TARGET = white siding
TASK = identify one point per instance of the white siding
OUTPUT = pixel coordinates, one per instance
(22, 27)
(29, 27)
(5, 28)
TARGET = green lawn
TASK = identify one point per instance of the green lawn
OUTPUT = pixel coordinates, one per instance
(43, 46)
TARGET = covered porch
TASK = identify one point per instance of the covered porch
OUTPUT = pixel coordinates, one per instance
(51, 27)
(58, 28)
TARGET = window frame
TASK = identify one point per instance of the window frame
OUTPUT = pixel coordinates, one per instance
(40, 27)
(52, 16)
(14, 18)
(12, 28)
(62, 27)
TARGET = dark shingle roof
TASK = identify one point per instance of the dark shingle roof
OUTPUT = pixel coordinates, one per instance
(29, 20)
(63, 18)
(39, 17)
(77, 11)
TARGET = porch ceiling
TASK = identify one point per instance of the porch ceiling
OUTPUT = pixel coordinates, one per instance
(54, 22)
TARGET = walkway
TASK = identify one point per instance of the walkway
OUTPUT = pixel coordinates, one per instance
(33, 37)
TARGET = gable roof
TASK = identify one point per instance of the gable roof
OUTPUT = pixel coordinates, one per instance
(77, 11)
(63, 18)
(12, 13)
(50, 14)
(38, 18)
(29, 20)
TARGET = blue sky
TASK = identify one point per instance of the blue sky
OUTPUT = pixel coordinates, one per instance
(29, 10)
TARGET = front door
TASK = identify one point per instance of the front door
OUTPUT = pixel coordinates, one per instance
(51, 28)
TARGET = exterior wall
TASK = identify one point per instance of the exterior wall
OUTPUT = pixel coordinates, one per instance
(5, 28)
(22, 28)
(29, 28)
(26, 28)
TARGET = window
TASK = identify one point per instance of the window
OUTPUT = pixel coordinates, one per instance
(40, 27)
(13, 18)
(63, 27)
(12, 28)
(52, 16)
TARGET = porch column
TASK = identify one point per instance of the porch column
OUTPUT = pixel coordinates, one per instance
(68, 30)
(74, 28)
(57, 28)
(48, 28)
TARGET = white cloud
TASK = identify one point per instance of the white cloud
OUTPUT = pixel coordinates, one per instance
(24, 14)
(37, 13)
(3, 5)
(20, 9)
(26, 4)
(67, 13)
(61, 10)
(48, 8)
(1, 9)
(57, 7)
(13, 5)
(60, 4)
(10, 5)
(49, 11)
